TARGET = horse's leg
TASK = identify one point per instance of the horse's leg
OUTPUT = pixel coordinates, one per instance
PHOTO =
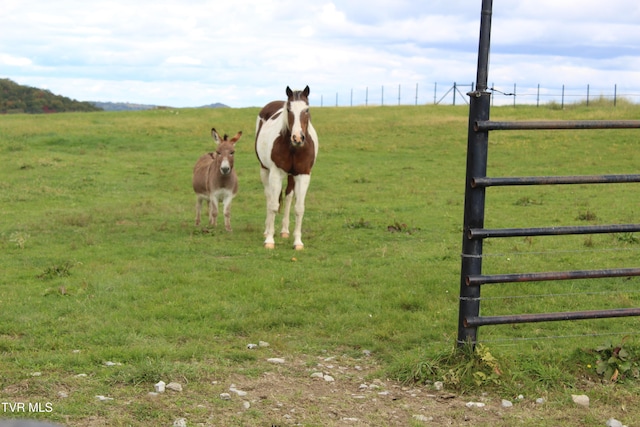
(274, 189)
(287, 207)
(264, 177)
(302, 184)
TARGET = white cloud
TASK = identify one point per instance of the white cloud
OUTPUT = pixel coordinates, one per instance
(194, 52)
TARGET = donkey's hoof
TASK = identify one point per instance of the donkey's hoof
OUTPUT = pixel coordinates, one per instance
(298, 247)
(269, 245)
(284, 235)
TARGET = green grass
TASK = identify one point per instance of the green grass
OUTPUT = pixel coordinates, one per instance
(101, 260)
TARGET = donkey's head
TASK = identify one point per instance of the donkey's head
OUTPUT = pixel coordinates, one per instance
(298, 114)
(225, 150)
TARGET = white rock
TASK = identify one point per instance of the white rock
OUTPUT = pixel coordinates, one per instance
(317, 375)
(363, 387)
(475, 405)
(159, 387)
(103, 398)
(152, 394)
(225, 396)
(580, 399)
(277, 360)
(36, 374)
(520, 397)
(246, 405)
(81, 375)
(329, 378)
(263, 344)
(612, 422)
(174, 386)
(112, 364)
(351, 419)
(252, 346)
(238, 392)
(506, 403)
(384, 393)
(540, 400)
(438, 385)
(180, 422)
(422, 418)
(63, 394)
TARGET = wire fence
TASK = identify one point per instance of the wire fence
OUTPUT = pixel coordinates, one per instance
(456, 94)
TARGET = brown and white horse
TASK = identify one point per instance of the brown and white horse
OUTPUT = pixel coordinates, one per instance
(286, 146)
(215, 179)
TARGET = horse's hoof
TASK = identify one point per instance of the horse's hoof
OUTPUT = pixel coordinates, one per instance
(284, 235)
(269, 245)
(298, 247)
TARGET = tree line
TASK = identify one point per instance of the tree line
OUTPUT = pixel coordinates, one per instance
(15, 98)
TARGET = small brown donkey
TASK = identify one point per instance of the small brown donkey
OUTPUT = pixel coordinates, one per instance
(215, 179)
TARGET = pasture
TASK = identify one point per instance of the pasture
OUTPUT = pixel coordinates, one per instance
(102, 263)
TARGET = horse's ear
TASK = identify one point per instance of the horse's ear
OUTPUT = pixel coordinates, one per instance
(306, 91)
(215, 135)
(289, 92)
(236, 138)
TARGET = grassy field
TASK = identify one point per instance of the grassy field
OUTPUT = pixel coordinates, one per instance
(102, 262)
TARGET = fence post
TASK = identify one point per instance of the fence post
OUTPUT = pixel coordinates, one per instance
(615, 95)
(455, 89)
(514, 94)
(336, 99)
(474, 199)
(416, 93)
(351, 103)
(399, 94)
(322, 100)
(562, 104)
(435, 92)
(366, 97)
(587, 95)
(382, 96)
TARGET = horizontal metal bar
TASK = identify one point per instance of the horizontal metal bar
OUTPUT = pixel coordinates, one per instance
(554, 180)
(485, 233)
(487, 125)
(549, 317)
(476, 280)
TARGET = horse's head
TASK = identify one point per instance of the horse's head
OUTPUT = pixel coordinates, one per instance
(298, 114)
(224, 151)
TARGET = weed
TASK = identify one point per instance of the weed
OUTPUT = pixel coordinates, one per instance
(59, 270)
(627, 238)
(615, 363)
(19, 238)
(361, 223)
(397, 227)
(587, 216)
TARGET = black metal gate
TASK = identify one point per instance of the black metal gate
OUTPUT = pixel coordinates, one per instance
(471, 277)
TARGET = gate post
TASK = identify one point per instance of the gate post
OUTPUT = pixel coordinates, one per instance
(474, 200)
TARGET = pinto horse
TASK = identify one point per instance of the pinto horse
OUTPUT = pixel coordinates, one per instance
(286, 146)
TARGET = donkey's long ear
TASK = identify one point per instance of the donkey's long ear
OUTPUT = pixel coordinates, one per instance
(216, 136)
(236, 138)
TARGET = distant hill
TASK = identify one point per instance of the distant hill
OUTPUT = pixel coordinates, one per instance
(126, 106)
(122, 106)
(216, 105)
(15, 98)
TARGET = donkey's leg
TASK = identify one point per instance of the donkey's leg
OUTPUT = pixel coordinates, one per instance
(274, 189)
(228, 197)
(199, 201)
(287, 207)
(213, 210)
(302, 184)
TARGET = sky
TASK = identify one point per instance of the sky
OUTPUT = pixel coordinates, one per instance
(244, 53)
